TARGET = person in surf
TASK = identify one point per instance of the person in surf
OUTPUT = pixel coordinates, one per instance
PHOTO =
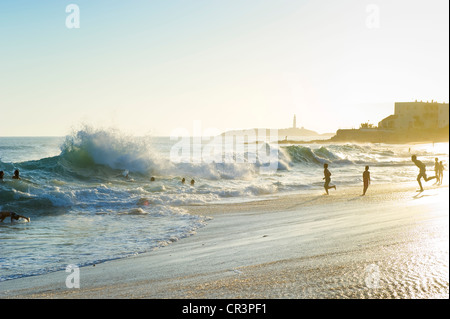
(16, 174)
(12, 215)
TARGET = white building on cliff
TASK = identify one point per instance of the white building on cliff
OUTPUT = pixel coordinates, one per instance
(417, 115)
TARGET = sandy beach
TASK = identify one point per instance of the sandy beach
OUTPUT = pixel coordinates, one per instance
(391, 243)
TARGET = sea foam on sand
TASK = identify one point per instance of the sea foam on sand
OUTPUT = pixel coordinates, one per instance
(391, 243)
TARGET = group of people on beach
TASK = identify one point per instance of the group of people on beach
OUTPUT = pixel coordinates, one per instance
(327, 178)
(438, 168)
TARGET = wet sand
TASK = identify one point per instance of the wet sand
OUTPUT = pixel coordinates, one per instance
(391, 243)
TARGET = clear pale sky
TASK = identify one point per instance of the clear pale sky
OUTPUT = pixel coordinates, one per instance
(154, 66)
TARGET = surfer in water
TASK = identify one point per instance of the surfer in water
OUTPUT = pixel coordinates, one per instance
(12, 215)
(327, 179)
(2, 174)
(192, 182)
(366, 180)
(422, 172)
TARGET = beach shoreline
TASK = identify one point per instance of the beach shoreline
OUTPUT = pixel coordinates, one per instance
(391, 243)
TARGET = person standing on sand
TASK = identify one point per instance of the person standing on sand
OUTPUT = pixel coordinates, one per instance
(327, 179)
(366, 180)
(441, 172)
(422, 172)
(436, 170)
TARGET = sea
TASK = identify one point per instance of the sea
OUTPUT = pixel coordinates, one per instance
(91, 198)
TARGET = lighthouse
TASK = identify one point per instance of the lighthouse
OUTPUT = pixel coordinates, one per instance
(294, 125)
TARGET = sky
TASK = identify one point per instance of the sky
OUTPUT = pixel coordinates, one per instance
(152, 67)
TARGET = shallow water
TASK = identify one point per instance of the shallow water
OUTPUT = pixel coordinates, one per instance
(84, 210)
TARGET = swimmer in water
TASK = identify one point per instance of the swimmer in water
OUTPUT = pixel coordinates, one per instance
(192, 182)
(12, 215)
(16, 174)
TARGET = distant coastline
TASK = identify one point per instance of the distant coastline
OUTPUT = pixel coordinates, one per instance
(373, 135)
(281, 133)
(412, 122)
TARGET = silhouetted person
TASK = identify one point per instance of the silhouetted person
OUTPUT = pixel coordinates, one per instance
(422, 171)
(327, 178)
(192, 182)
(2, 174)
(436, 170)
(16, 174)
(366, 180)
(441, 172)
(183, 180)
(12, 215)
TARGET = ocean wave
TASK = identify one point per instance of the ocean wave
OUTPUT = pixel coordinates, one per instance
(307, 155)
(346, 154)
(109, 153)
(89, 147)
(89, 172)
